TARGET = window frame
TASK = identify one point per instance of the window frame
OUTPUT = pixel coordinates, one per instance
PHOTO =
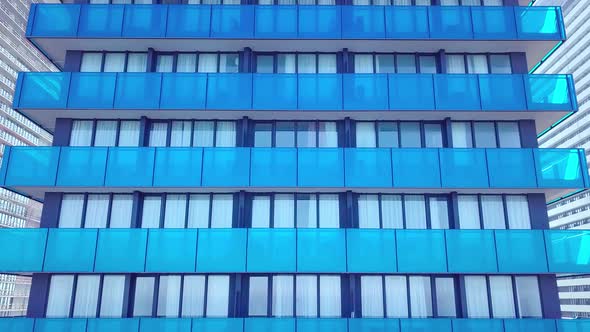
(197, 54)
(95, 127)
(316, 124)
(169, 123)
(397, 123)
(417, 57)
(104, 54)
(275, 55)
(504, 207)
(496, 132)
(85, 206)
(487, 55)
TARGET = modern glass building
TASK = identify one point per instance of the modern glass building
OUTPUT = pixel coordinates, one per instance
(295, 167)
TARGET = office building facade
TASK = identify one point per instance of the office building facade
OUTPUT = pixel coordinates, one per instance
(311, 166)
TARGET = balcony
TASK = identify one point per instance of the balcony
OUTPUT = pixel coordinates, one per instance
(544, 98)
(57, 28)
(241, 250)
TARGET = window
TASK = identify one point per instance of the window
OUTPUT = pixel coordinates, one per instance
(200, 133)
(284, 134)
(101, 211)
(296, 210)
(297, 2)
(214, 2)
(114, 62)
(198, 62)
(60, 296)
(309, 288)
(478, 63)
(86, 298)
(137, 2)
(493, 212)
(485, 134)
(471, 2)
(104, 133)
(302, 63)
(398, 134)
(394, 63)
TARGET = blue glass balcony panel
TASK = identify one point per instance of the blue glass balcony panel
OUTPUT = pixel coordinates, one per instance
(370, 251)
(271, 250)
(221, 250)
(178, 167)
(425, 325)
(463, 168)
(411, 92)
(92, 90)
(269, 324)
(274, 167)
(493, 23)
(226, 167)
(573, 325)
(82, 167)
(365, 91)
(188, 22)
(121, 250)
(130, 167)
(70, 250)
(470, 325)
(319, 92)
(526, 325)
(457, 92)
(319, 22)
(471, 251)
(138, 90)
(373, 325)
(16, 325)
(452, 22)
(421, 251)
(232, 21)
(113, 325)
(165, 325)
(60, 324)
(559, 168)
(568, 251)
(43, 90)
(56, 21)
(183, 91)
(368, 168)
(539, 23)
(275, 22)
(164, 246)
(550, 92)
(502, 92)
(363, 22)
(32, 166)
(218, 325)
(321, 250)
(518, 251)
(229, 91)
(275, 92)
(101, 21)
(413, 168)
(520, 162)
(406, 22)
(322, 325)
(145, 21)
(30, 246)
(320, 167)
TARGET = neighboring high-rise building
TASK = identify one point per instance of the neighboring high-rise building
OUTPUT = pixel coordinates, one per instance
(326, 166)
(17, 55)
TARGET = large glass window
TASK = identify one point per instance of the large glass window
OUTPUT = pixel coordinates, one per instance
(487, 134)
(104, 133)
(95, 211)
(193, 133)
(296, 210)
(60, 296)
(114, 62)
(395, 63)
(302, 63)
(478, 63)
(303, 134)
(493, 212)
(298, 2)
(198, 62)
(387, 134)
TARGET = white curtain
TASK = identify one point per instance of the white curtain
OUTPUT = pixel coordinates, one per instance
(455, 62)
(368, 210)
(477, 64)
(372, 296)
(365, 135)
(175, 212)
(406, 64)
(284, 211)
(327, 135)
(509, 135)
(420, 297)
(207, 63)
(137, 62)
(327, 64)
(129, 133)
(306, 64)
(502, 297)
(181, 133)
(388, 134)
(402, 2)
(217, 296)
(396, 297)
(306, 296)
(59, 299)
(165, 64)
(86, 296)
(329, 211)
(518, 212)
(433, 135)
(114, 62)
(70, 213)
(306, 132)
(476, 294)
(97, 211)
(449, 2)
(186, 63)
(492, 210)
(81, 133)
(229, 63)
(392, 212)
(423, 2)
(445, 297)
(198, 211)
(113, 295)
(150, 217)
(261, 212)
(286, 64)
(470, 2)
(361, 2)
(326, 2)
(203, 133)
(468, 212)
(363, 63)
(493, 2)
(158, 134)
(258, 296)
(106, 133)
(169, 296)
(485, 134)
(330, 294)
(439, 212)
(384, 63)
(225, 135)
(282, 296)
(91, 62)
(529, 299)
(222, 211)
(415, 208)
(306, 211)
(144, 296)
(410, 135)
(121, 211)
(461, 134)
(500, 63)
(193, 296)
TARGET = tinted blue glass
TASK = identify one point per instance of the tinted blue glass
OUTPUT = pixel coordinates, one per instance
(458, 92)
(370, 250)
(178, 167)
(520, 162)
(406, 22)
(138, 90)
(82, 166)
(188, 22)
(218, 325)
(321, 250)
(320, 92)
(463, 168)
(43, 90)
(232, 21)
(576, 325)
(30, 246)
(30, 166)
(319, 22)
(274, 167)
(183, 90)
(368, 168)
(70, 250)
(56, 21)
(558, 168)
(539, 23)
(365, 91)
(421, 251)
(130, 167)
(101, 21)
(229, 91)
(415, 168)
(113, 325)
(320, 167)
(494, 23)
(275, 92)
(502, 92)
(92, 90)
(425, 325)
(66, 325)
(471, 251)
(226, 167)
(373, 325)
(16, 325)
(121, 250)
(453, 22)
(549, 92)
(271, 250)
(470, 325)
(164, 246)
(221, 250)
(526, 325)
(363, 22)
(521, 251)
(4, 164)
(411, 92)
(321, 325)
(145, 21)
(269, 325)
(165, 325)
(568, 251)
(276, 22)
